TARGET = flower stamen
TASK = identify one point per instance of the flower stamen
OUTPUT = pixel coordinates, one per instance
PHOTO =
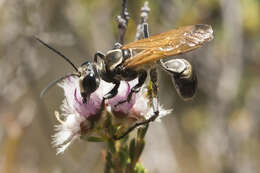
(57, 115)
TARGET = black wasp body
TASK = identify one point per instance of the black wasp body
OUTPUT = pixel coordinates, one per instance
(107, 67)
(135, 59)
(110, 68)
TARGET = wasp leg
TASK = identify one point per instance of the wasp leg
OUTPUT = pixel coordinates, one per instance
(145, 30)
(154, 92)
(141, 79)
(112, 93)
(98, 54)
(153, 95)
(143, 74)
(154, 80)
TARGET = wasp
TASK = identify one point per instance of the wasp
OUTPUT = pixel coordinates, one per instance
(136, 59)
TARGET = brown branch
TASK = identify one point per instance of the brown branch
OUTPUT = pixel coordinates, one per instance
(144, 17)
(123, 22)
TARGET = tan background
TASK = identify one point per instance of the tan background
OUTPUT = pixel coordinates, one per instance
(217, 132)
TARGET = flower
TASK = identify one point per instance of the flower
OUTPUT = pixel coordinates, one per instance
(121, 110)
(137, 109)
(77, 116)
(142, 107)
(67, 131)
(74, 100)
(82, 119)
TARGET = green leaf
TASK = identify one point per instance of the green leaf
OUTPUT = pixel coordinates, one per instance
(132, 149)
(107, 122)
(125, 140)
(123, 154)
(142, 144)
(139, 168)
(111, 146)
(109, 164)
(123, 157)
(142, 131)
(84, 137)
(95, 139)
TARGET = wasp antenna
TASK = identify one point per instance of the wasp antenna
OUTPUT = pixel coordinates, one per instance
(56, 51)
(51, 84)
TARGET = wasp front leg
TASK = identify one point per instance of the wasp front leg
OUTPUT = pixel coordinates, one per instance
(141, 79)
(113, 92)
(98, 54)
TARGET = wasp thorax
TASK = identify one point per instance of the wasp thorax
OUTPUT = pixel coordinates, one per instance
(113, 59)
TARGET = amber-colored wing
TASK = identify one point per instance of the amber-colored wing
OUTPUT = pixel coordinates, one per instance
(169, 43)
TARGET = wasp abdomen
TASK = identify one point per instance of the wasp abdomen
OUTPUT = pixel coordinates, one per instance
(184, 77)
(186, 86)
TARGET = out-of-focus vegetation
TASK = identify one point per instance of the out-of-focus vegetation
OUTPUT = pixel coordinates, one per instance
(216, 132)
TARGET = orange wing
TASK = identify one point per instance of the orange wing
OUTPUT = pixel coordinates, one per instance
(169, 43)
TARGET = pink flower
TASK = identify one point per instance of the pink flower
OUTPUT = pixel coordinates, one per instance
(77, 117)
(123, 109)
(137, 109)
(74, 100)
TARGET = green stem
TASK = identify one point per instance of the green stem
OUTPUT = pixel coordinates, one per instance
(139, 146)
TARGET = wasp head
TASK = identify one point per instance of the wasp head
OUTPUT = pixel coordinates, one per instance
(89, 79)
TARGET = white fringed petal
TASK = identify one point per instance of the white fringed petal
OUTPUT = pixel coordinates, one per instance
(67, 131)
(143, 109)
(74, 112)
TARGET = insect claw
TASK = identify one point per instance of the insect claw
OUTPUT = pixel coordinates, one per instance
(57, 115)
(121, 102)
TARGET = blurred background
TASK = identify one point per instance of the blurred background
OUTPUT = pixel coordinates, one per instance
(217, 132)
